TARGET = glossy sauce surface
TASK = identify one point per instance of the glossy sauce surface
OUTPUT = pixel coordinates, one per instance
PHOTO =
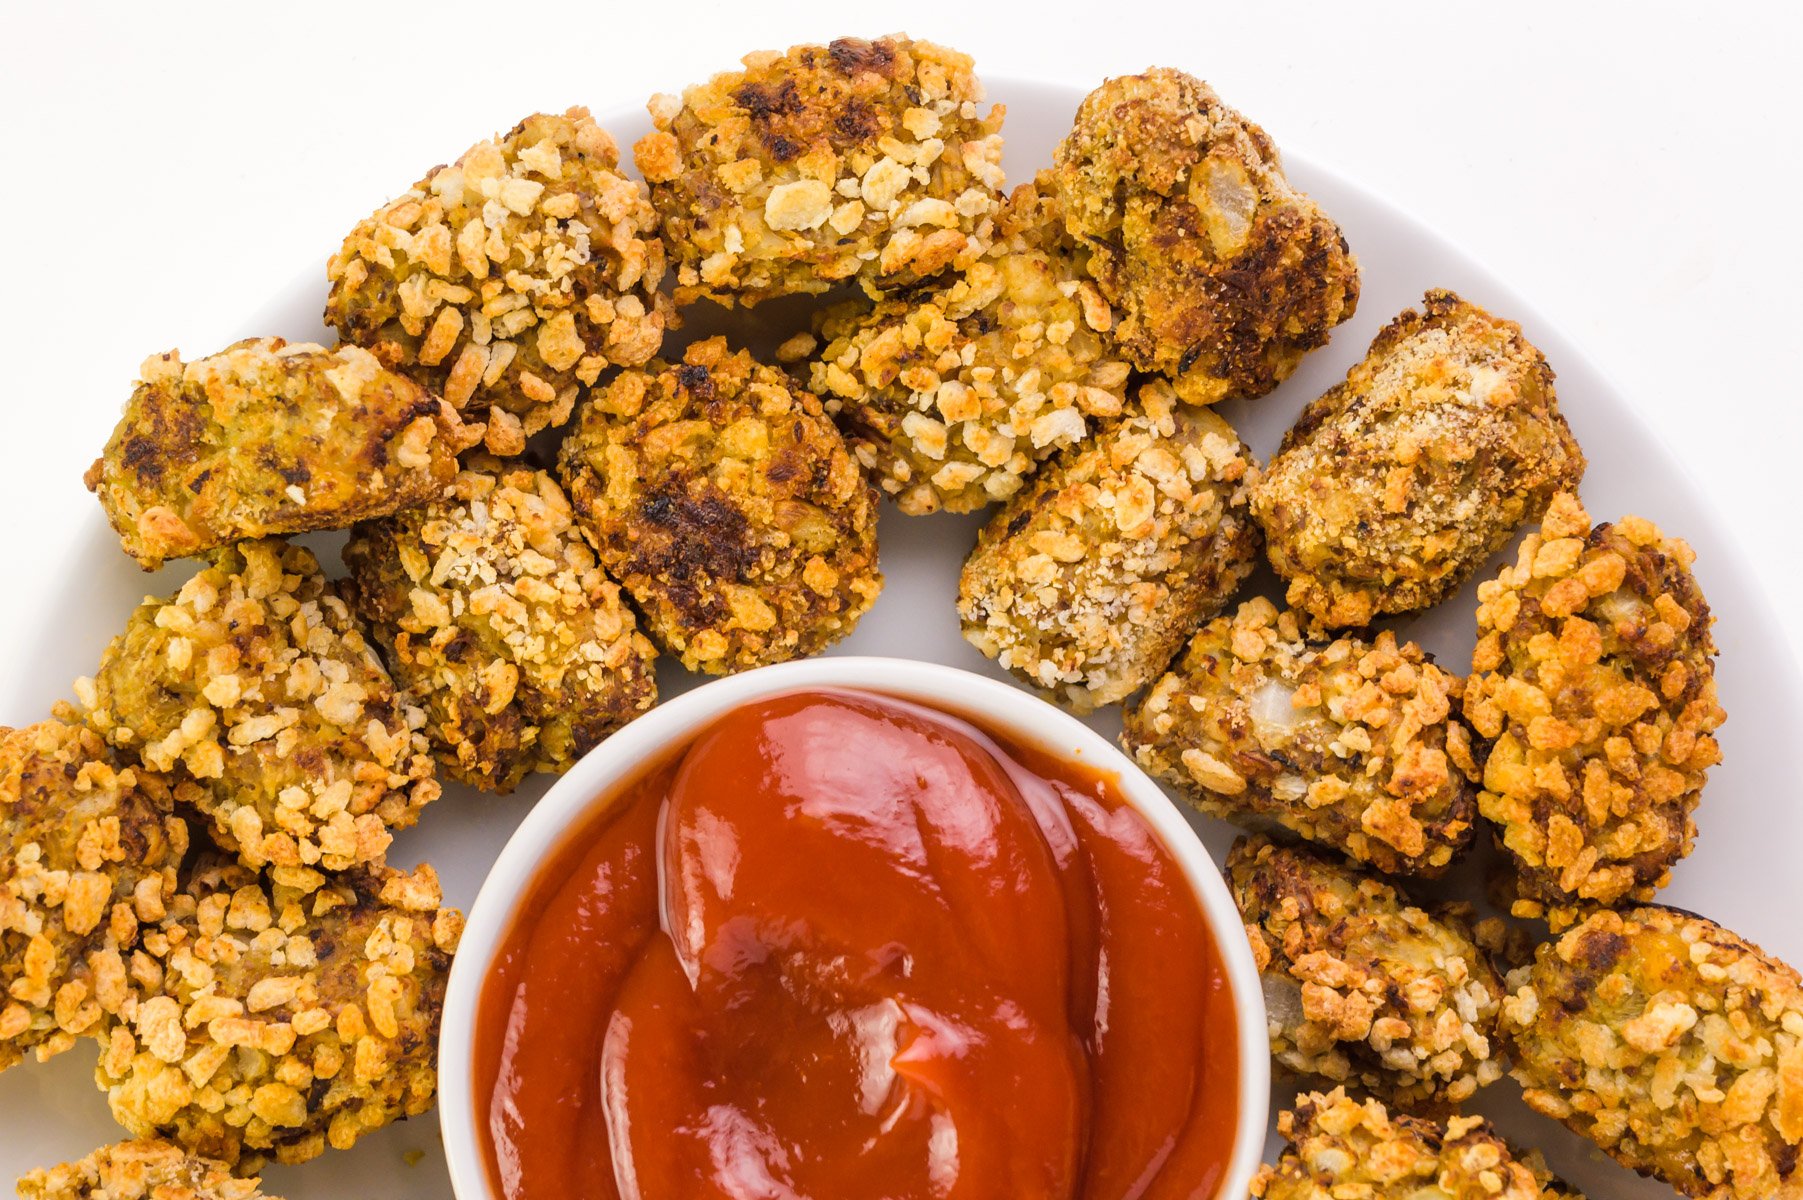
(843, 948)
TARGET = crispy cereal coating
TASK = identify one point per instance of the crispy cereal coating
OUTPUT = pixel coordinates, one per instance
(494, 615)
(1363, 987)
(1352, 744)
(953, 396)
(1673, 1044)
(1087, 582)
(256, 686)
(1594, 675)
(509, 280)
(88, 852)
(1341, 1149)
(268, 437)
(865, 160)
(275, 1023)
(728, 507)
(1395, 485)
(1222, 275)
(150, 1169)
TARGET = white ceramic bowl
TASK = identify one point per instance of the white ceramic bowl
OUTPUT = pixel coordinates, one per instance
(997, 707)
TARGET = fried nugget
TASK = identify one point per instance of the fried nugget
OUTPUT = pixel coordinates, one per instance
(256, 687)
(858, 160)
(268, 437)
(1086, 583)
(509, 280)
(1353, 744)
(1363, 987)
(275, 1023)
(1222, 275)
(1395, 485)
(727, 505)
(1340, 1147)
(953, 396)
(493, 615)
(88, 852)
(1673, 1044)
(1594, 675)
(149, 1169)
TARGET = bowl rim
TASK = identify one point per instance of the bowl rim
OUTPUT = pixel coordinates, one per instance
(992, 704)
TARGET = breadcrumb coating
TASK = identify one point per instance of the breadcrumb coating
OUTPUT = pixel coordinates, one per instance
(1344, 1149)
(255, 685)
(88, 854)
(866, 160)
(1086, 583)
(493, 615)
(1353, 744)
(1222, 275)
(728, 507)
(273, 1023)
(1594, 677)
(268, 437)
(1396, 485)
(509, 280)
(150, 1169)
(1363, 987)
(1673, 1044)
(952, 397)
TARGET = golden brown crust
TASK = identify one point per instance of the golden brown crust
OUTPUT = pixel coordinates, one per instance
(859, 159)
(1223, 275)
(88, 853)
(1363, 987)
(1673, 1044)
(1352, 744)
(1340, 1148)
(271, 1023)
(148, 1169)
(268, 437)
(1594, 675)
(953, 396)
(509, 280)
(728, 507)
(494, 616)
(255, 687)
(1397, 483)
(1086, 583)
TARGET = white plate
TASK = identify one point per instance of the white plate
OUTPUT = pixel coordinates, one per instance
(1743, 873)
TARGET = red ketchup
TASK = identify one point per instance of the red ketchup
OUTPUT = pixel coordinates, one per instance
(841, 947)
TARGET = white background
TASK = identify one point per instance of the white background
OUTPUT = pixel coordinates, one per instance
(1631, 169)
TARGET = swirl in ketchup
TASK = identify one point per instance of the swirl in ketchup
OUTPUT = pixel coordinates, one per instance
(842, 947)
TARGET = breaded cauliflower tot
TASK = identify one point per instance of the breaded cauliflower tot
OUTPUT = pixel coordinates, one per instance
(1671, 1043)
(953, 396)
(1395, 485)
(1340, 1148)
(278, 1023)
(865, 160)
(88, 853)
(1221, 274)
(256, 687)
(149, 1169)
(1353, 744)
(509, 280)
(1594, 678)
(729, 508)
(493, 615)
(1086, 583)
(1361, 986)
(268, 437)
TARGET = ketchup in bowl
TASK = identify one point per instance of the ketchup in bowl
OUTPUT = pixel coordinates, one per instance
(842, 947)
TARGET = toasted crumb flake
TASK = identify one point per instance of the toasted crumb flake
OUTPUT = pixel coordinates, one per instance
(150, 1169)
